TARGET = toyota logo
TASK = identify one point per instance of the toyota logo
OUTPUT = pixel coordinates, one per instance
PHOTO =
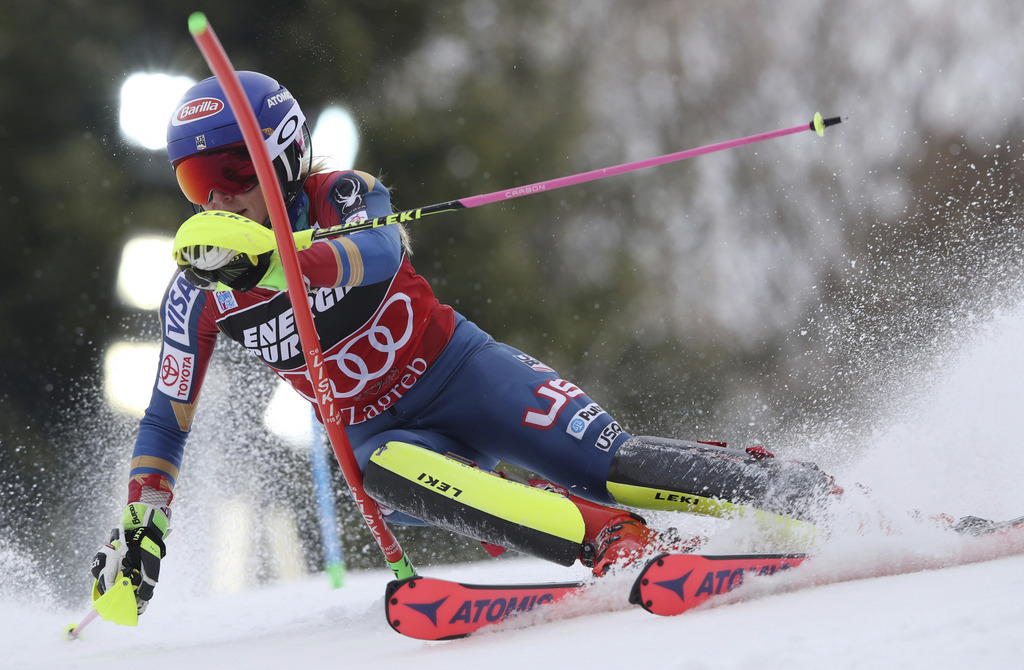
(169, 370)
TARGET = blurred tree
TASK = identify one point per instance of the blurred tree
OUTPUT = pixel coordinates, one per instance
(749, 295)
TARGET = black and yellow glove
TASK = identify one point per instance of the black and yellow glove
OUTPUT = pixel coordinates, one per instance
(221, 251)
(135, 548)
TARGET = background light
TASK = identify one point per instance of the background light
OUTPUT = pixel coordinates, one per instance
(147, 102)
(289, 417)
(336, 137)
(128, 376)
(147, 264)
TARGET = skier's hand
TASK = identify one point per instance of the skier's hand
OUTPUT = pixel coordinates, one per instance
(218, 269)
(221, 251)
(135, 548)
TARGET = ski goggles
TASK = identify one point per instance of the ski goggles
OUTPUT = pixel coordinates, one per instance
(228, 170)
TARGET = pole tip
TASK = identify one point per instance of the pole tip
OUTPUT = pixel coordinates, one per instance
(197, 23)
(819, 124)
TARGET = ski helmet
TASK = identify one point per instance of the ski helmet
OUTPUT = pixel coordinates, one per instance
(207, 150)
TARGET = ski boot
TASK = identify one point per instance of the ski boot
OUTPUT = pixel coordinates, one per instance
(614, 537)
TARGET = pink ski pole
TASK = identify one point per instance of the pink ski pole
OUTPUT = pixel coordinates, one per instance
(74, 630)
(818, 124)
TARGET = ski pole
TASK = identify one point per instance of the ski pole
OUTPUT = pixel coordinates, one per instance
(216, 57)
(75, 629)
(818, 124)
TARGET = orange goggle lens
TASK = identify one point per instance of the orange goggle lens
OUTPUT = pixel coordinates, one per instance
(229, 170)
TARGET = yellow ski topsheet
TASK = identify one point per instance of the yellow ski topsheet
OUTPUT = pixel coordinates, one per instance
(791, 532)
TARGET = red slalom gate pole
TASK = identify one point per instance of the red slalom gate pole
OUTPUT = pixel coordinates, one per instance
(217, 59)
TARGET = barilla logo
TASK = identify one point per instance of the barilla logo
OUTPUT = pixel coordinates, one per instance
(197, 109)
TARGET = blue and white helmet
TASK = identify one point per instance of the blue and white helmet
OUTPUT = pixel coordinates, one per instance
(203, 123)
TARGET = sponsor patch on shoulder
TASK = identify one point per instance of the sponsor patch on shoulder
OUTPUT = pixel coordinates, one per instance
(348, 195)
(181, 298)
(532, 362)
(608, 436)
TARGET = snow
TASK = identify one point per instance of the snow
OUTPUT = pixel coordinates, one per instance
(960, 447)
(955, 452)
(965, 616)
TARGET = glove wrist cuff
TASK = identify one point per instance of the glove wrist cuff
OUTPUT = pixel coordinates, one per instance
(152, 519)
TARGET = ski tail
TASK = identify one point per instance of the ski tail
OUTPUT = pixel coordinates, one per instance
(437, 609)
(977, 526)
(674, 583)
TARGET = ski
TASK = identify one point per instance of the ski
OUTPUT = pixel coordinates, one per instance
(671, 584)
(426, 608)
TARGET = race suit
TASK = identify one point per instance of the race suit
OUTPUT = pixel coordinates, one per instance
(402, 366)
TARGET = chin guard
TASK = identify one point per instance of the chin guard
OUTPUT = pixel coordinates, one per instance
(225, 230)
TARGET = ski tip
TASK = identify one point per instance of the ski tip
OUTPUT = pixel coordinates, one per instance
(818, 124)
(197, 23)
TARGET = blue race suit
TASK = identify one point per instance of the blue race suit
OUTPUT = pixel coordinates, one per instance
(402, 366)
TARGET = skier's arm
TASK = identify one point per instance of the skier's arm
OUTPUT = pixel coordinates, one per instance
(366, 257)
(189, 335)
(136, 544)
(221, 251)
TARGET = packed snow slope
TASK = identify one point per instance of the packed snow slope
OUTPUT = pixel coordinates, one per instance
(959, 617)
(957, 450)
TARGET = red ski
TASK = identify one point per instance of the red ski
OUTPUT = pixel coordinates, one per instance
(673, 583)
(438, 609)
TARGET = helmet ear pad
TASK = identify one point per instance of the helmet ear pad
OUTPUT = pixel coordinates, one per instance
(293, 165)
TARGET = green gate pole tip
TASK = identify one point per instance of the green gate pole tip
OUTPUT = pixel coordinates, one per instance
(336, 574)
(197, 23)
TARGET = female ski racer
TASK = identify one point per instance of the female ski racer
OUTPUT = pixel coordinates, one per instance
(430, 401)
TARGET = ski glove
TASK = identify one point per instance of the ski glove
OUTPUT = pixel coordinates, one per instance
(135, 548)
(213, 268)
(221, 251)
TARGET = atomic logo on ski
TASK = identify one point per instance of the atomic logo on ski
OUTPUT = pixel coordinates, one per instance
(676, 585)
(446, 610)
(713, 575)
(428, 610)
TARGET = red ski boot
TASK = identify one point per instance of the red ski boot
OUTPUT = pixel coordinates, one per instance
(614, 537)
(623, 540)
